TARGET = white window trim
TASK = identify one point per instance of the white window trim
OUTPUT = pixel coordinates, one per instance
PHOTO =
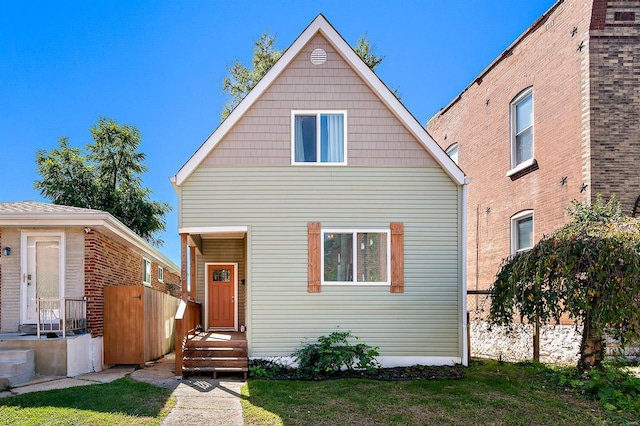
(24, 235)
(453, 146)
(513, 116)
(317, 113)
(160, 274)
(514, 230)
(144, 260)
(354, 250)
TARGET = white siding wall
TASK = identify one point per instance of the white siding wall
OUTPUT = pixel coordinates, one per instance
(276, 203)
(10, 282)
(74, 272)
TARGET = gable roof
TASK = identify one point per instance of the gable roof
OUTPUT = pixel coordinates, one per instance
(322, 26)
(38, 214)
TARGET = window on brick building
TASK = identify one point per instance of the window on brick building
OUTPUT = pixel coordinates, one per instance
(160, 273)
(452, 152)
(146, 272)
(522, 129)
(522, 231)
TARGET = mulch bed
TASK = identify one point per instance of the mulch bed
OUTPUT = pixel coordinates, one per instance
(414, 372)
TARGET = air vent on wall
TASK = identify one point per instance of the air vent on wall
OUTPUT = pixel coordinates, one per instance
(318, 57)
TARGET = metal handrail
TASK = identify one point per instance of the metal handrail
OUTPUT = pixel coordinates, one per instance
(61, 314)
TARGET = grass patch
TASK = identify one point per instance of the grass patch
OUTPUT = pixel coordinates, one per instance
(491, 393)
(121, 402)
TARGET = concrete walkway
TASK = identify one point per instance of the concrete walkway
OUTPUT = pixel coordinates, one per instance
(200, 400)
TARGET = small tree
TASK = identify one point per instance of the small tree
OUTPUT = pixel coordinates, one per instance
(241, 79)
(106, 178)
(589, 268)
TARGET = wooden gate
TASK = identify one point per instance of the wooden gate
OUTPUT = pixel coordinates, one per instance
(138, 324)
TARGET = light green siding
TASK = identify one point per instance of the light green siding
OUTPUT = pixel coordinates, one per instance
(276, 203)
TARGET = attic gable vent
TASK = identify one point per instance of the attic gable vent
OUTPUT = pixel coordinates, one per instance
(318, 57)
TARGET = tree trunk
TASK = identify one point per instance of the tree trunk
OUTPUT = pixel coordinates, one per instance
(591, 348)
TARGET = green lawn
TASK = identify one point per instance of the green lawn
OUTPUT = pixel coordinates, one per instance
(490, 394)
(121, 402)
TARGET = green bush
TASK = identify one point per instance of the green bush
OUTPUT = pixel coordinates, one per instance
(613, 387)
(268, 369)
(334, 353)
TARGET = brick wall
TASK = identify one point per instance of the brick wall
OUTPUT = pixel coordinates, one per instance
(550, 60)
(615, 101)
(108, 262)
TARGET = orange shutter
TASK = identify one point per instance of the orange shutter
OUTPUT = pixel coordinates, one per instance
(314, 257)
(397, 257)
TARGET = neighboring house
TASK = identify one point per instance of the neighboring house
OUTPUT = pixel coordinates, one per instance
(554, 118)
(62, 258)
(321, 204)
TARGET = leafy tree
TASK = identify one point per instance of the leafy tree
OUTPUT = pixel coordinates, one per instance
(106, 178)
(242, 79)
(589, 269)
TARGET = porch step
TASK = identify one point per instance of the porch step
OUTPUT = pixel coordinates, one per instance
(216, 370)
(209, 344)
(214, 353)
(17, 366)
(221, 362)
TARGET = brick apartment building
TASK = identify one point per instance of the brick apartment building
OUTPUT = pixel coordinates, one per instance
(556, 117)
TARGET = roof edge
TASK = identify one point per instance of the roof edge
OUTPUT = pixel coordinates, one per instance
(505, 54)
(321, 25)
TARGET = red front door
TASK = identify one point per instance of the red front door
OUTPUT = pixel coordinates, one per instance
(221, 300)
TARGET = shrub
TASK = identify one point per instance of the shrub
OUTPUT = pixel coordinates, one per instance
(268, 369)
(615, 388)
(334, 353)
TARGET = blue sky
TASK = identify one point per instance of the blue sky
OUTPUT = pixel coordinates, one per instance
(159, 65)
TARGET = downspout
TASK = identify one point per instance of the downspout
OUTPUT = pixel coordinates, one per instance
(463, 272)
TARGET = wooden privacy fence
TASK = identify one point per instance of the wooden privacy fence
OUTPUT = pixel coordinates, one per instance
(138, 324)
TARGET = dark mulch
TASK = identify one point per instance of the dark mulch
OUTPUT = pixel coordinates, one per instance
(414, 372)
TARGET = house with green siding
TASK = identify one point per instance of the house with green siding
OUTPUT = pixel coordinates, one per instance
(321, 204)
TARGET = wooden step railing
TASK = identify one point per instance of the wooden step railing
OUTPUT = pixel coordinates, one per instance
(188, 318)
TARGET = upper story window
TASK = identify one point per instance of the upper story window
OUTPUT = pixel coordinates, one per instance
(160, 273)
(318, 137)
(522, 129)
(146, 272)
(355, 256)
(522, 231)
(452, 152)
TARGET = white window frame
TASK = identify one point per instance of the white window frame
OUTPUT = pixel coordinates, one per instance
(516, 167)
(354, 250)
(160, 274)
(514, 230)
(449, 151)
(318, 161)
(146, 261)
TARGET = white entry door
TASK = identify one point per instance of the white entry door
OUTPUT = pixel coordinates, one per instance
(42, 272)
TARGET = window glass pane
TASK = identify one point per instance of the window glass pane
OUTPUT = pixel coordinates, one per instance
(332, 138)
(452, 152)
(524, 114)
(305, 138)
(338, 257)
(372, 257)
(146, 271)
(525, 233)
(524, 146)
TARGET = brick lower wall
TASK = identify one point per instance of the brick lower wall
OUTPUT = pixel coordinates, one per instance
(108, 262)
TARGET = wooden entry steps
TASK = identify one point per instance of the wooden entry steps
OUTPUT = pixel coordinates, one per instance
(215, 352)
